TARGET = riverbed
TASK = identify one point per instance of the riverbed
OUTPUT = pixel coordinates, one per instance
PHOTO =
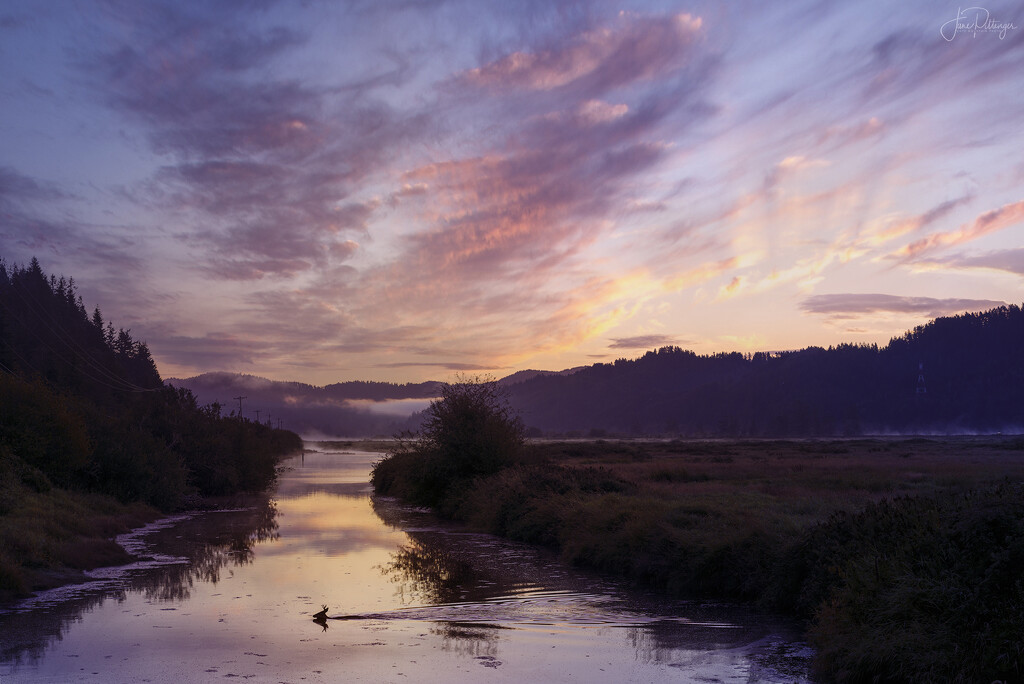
(232, 594)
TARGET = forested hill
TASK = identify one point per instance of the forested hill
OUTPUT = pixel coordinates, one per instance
(218, 386)
(973, 380)
(82, 406)
(346, 409)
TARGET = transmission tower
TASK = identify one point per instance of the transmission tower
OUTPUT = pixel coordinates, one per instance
(239, 398)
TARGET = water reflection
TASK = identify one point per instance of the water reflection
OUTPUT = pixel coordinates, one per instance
(196, 548)
(210, 542)
(232, 594)
(471, 586)
(430, 574)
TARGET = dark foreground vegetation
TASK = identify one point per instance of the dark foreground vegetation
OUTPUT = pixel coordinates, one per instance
(92, 441)
(903, 555)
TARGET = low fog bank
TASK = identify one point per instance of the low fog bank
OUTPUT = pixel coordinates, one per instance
(345, 410)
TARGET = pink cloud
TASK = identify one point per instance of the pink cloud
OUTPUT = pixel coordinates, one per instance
(989, 222)
(635, 49)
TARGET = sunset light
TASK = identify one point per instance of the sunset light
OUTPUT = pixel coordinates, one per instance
(456, 341)
(344, 191)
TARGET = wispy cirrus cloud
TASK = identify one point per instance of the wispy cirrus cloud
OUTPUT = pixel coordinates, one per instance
(17, 188)
(910, 65)
(989, 222)
(507, 230)
(36, 220)
(900, 226)
(264, 172)
(212, 350)
(191, 85)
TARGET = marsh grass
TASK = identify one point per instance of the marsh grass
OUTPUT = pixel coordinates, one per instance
(881, 544)
(47, 533)
(918, 588)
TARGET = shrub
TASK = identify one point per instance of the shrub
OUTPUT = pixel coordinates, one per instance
(43, 429)
(472, 429)
(468, 433)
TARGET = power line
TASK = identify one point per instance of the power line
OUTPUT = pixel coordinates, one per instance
(81, 350)
(63, 336)
(7, 370)
(124, 387)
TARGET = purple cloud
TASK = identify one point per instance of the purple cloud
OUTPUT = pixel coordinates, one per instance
(849, 305)
(16, 188)
(35, 221)
(1009, 260)
(213, 350)
(642, 342)
(568, 162)
(264, 166)
(453, 366)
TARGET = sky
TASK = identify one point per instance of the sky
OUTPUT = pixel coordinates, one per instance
(402, 191)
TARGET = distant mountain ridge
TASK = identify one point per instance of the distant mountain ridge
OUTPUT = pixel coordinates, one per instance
(218, 382)
(525, 375)
(955, 374)
(339, 409)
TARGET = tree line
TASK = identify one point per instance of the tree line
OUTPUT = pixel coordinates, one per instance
(82, 406)
(956, 374)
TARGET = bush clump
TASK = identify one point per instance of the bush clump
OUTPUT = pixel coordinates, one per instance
(470, 432)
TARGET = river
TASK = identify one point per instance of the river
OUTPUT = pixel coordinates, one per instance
(231, 594)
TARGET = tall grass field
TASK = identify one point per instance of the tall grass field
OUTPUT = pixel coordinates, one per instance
(905, 556)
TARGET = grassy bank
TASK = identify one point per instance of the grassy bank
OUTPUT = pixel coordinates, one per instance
(48, 535)
(903, 554)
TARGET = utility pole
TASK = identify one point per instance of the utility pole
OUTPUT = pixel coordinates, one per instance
(257, 415)
(239, 398)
